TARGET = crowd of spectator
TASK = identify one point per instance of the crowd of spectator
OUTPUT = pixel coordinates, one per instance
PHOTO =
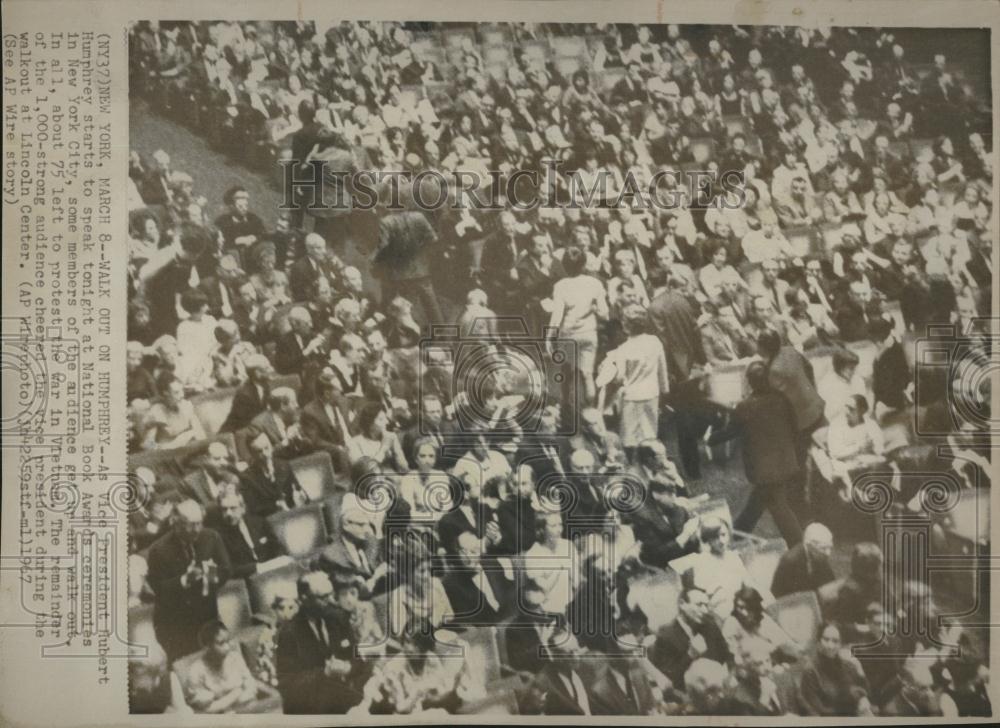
(519, 516)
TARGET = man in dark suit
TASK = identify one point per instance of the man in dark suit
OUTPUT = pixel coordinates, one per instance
(498, 265)
(472, 514)
(891, 377)
(251, 398)
(300, 349)
(186, 566)
(307, 270)
(355, 551)
(791, 374)
(767, 424)
(280, 423)
(325, 421)
(221, 289)
(805, 566)
(565, 682)
(239, 227)
(691, 635)
(203, 484)
(248, 539)
(675, 323)
(403, 259)
(269, 485)
(525, 634)
(664, 529)
(315, 658)
(478, 590)
(621, 686)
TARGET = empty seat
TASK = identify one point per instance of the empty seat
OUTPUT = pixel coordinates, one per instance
(315, 474)
(302, 531)
(233, 601)
(798, 614)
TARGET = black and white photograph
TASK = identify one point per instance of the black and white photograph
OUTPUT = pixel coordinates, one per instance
(567, 369)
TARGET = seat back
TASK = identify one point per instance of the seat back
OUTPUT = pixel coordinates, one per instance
(212, 407)
(799, 615)
(762, 561)
(301, 531)
(315, 474)
(265, 586)
(233, 601)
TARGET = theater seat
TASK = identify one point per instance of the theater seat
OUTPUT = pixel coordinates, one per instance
(212, 407)
(301, 531)
(799, 615)
(264, 586)
(315, 474)
(233, 601)
(762, 560)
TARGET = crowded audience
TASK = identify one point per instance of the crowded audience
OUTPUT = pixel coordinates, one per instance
(417, 524)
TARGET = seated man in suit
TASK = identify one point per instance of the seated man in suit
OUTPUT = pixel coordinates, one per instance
(204, 484)
(693, 634)
(355, 550)
(805, 566)
(565, 682)
(478, 589)
(279, 421)
(316, 665)
(325, 421)
(251, 397)
(186, 566)
(269, 484)
(664, 528)
(248, 538)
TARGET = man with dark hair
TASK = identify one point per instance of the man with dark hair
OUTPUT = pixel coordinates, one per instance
(251, 397)
(248, 538)
(170, 272)
(664, 528)
(269, 484)
(240, 228)
(692, 635)
(767, 425)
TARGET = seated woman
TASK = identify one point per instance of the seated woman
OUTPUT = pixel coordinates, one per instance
(419, 596)
(749, 622)
(171, 421)
(374, 440)
(427, 489)
(854, 441)
(195, 342)
(219, 681)
(832, 683)
(718, 270)
(718, 570)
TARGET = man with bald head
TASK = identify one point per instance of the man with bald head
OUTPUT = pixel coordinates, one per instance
(251, 398)
(203, 484)
(806, 566)
(307, 270)
(187, 565)
(300, 345)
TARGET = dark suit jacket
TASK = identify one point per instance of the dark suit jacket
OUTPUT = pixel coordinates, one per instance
(767, 424)
(300, 659)
(179, 612)
(657, 530)
(288, 357)
(302, 277)
(247, 404)
(796, 573)
(467, 599)
(891, 376)
(265, 545)
(456, 521)
(522, 644)
(670, 651)
(335, 557)
(210, 287)
(195, 485)
(558, 700)
(674, 322)
(265, 422)
(791, 374)
(608, 698)
(261, 494)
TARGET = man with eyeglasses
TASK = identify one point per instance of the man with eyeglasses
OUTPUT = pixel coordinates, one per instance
(316, 669)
